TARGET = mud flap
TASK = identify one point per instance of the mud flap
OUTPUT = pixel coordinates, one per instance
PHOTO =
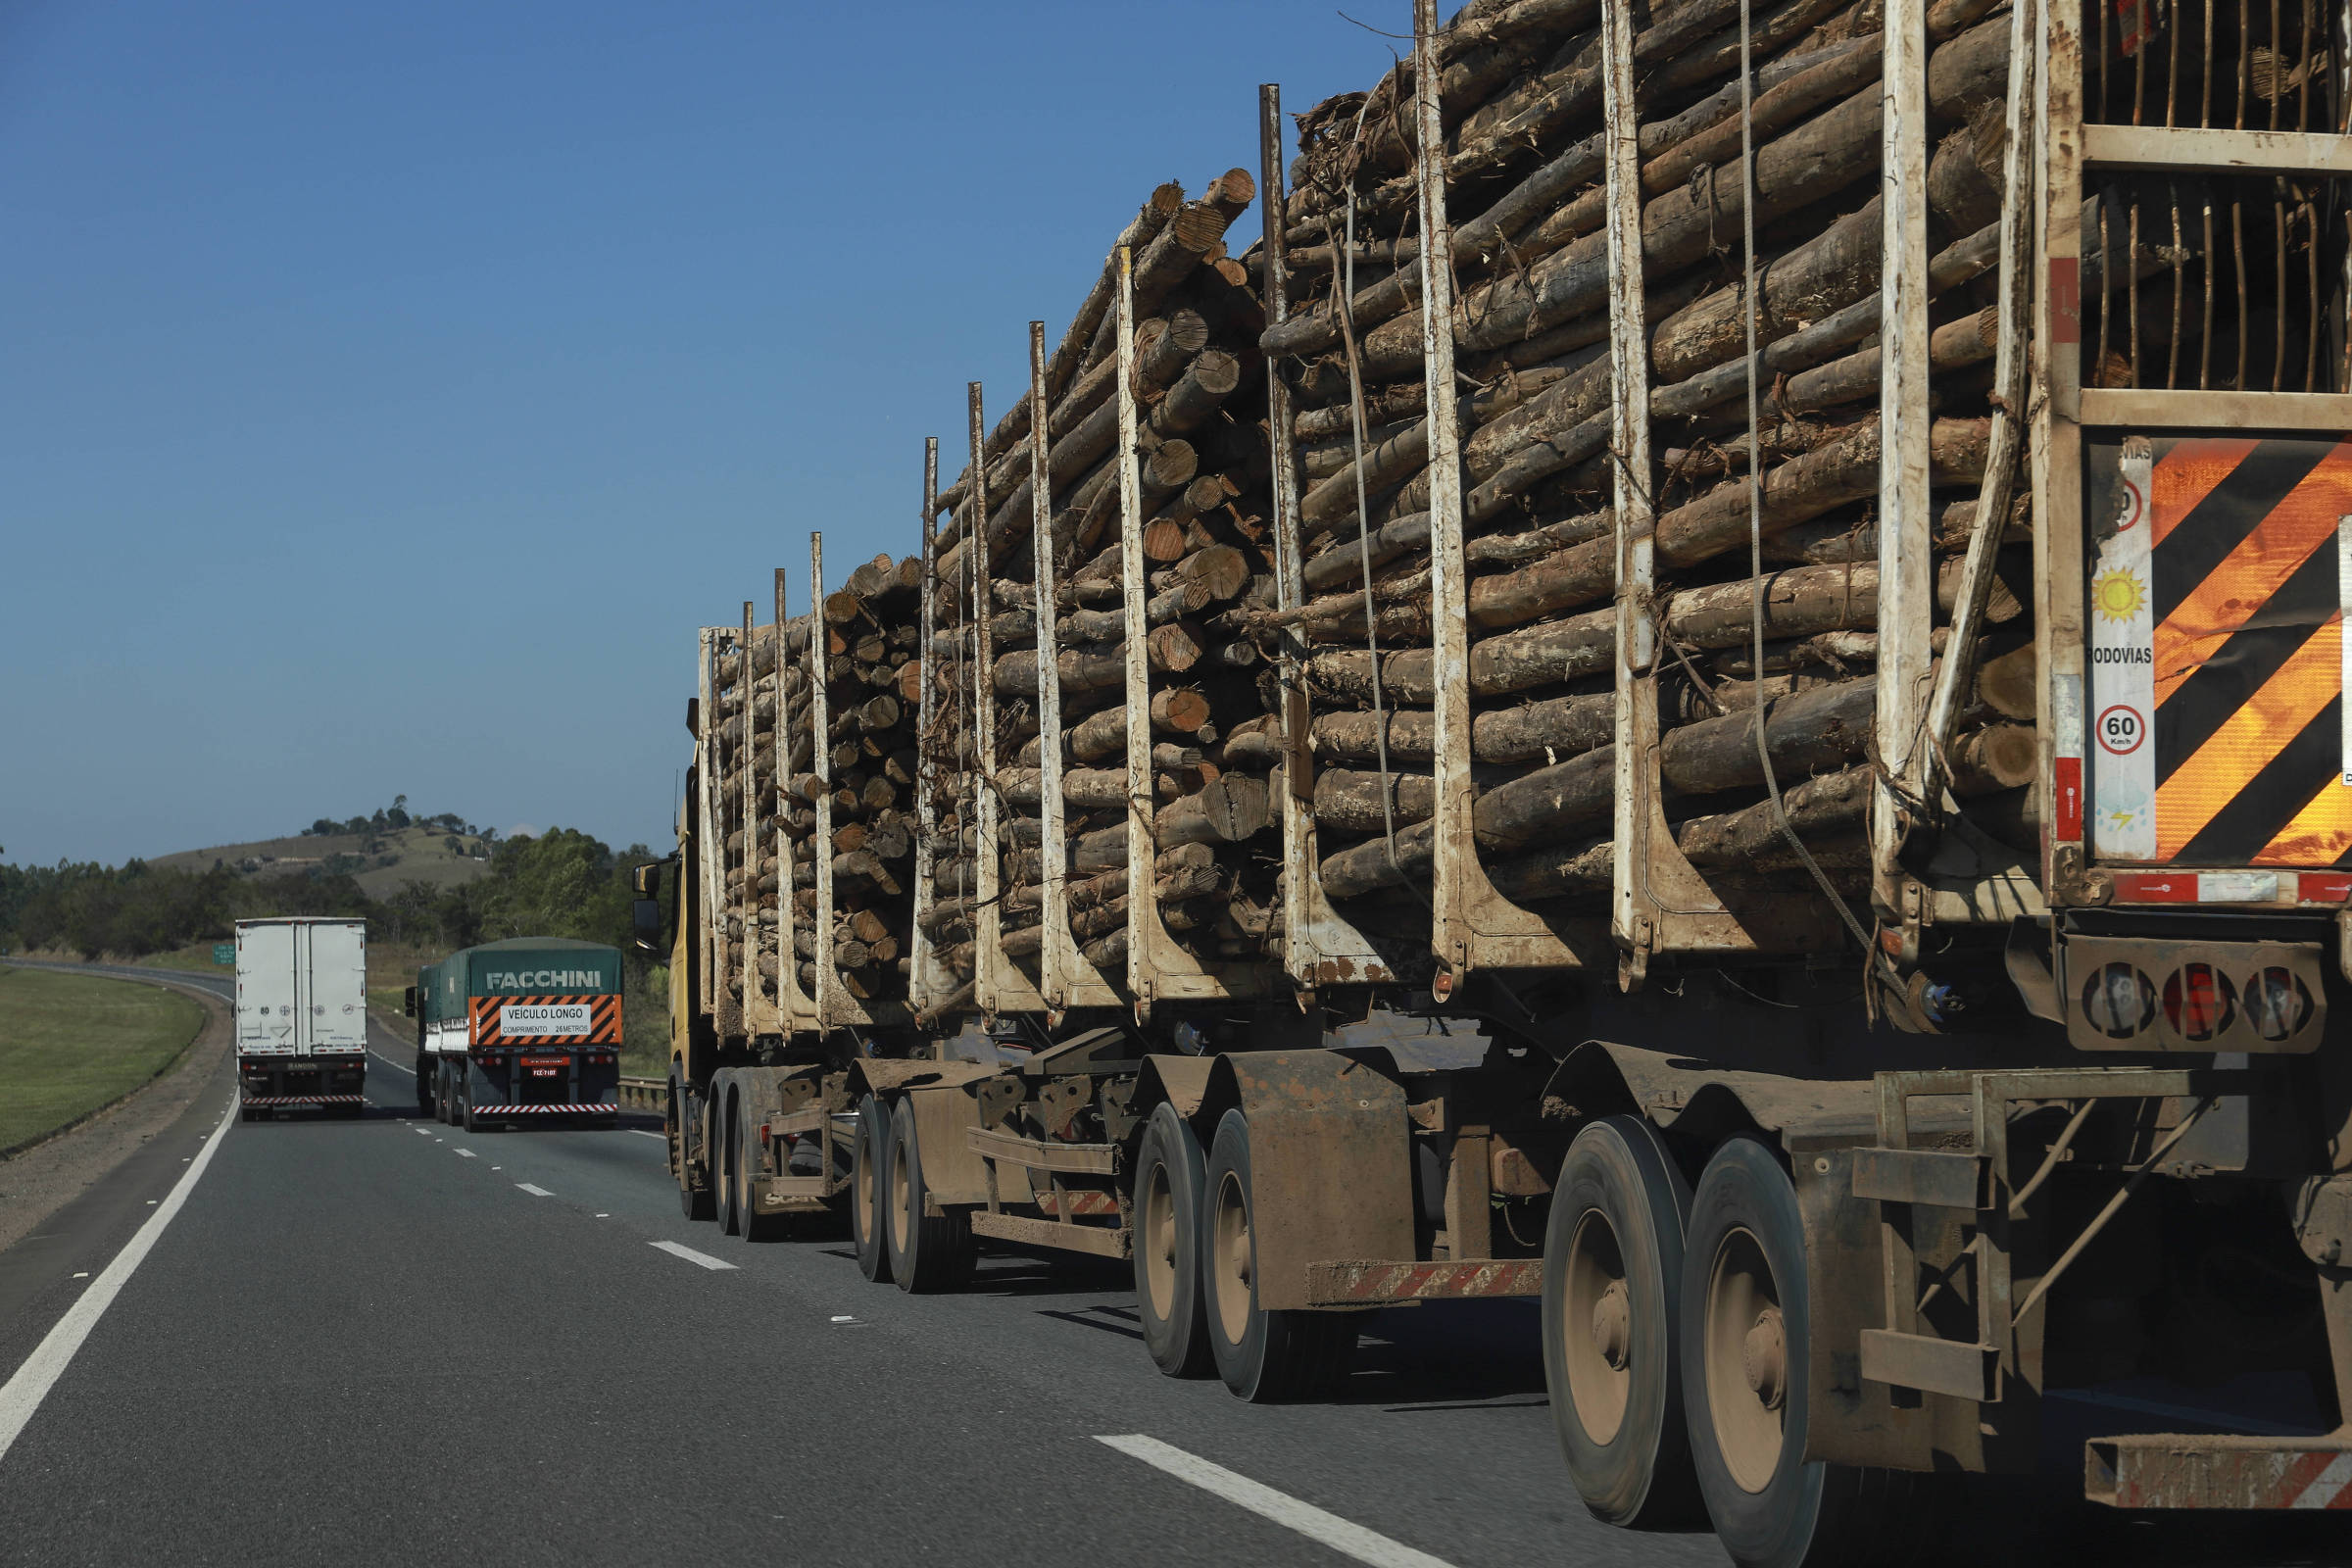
(1331, 1163)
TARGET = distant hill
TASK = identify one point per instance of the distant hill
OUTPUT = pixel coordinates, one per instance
(383, 862)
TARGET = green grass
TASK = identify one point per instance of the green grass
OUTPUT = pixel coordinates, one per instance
(72, 1042)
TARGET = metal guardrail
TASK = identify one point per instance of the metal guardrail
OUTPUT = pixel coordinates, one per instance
(644, 1094)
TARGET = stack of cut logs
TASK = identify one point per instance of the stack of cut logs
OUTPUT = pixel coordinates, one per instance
(746, 762)
(871, 633)
(1205, 468)
(1522, 101)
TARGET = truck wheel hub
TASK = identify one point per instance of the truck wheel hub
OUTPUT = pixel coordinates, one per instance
(1765, 1358)
(1613, 1326)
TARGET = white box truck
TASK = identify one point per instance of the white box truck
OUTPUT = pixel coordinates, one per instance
(301, 1016)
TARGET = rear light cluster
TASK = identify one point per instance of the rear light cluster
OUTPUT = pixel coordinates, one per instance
(2199, 1002)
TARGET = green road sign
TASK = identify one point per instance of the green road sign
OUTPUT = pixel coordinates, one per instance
(225, 952)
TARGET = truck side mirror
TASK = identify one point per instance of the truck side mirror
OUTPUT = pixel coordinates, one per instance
(646, 879)
(646, 917)
(408, 1002)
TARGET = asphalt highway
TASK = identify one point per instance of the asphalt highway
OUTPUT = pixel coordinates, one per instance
(389, 1341)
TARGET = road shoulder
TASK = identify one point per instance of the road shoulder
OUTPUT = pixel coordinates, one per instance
(38, 1183)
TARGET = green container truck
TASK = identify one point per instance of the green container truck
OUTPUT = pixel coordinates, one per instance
(522, 1029)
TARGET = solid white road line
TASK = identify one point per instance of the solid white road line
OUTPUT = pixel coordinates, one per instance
(23, 1393)
(535, 1192)
(690, 1255)
(642, 1133)
(389, 1062)
(1340, 1534)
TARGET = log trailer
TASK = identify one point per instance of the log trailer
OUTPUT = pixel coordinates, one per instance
(525, 1031)
(1790, 574)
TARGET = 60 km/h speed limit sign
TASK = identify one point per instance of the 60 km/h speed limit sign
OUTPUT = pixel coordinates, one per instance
(2120, 730)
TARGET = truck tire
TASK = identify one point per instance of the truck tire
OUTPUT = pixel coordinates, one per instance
(466, 1115)
(928, 1252)
(726, 1167)
(1169, 1176)
(1611, 1320)
(424, 1088)
(1746, 1390)
(869, 1178)
(1264, 1356)
(444, 1095)
(693, 1203)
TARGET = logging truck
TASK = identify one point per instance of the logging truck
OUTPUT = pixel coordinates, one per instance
(1778, 572)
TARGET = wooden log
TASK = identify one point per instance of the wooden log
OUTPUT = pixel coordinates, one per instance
(1212, 376)
(1090, 627)
(865, 867)
(1099, 735)
(1351, 802)
(1088, 668)
(1212, 575)
(1997, 758)
(2008, 682)
(1175, 711)
(1843, 471)
(1226, 811)
(1809, 731)
(1090, 789)
(1174, 647)
(1559, 725)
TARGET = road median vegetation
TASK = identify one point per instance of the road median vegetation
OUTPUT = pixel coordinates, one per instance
(72, 1044)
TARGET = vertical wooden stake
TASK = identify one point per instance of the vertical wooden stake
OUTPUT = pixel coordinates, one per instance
(1058, 952)
(819, 673)
(1319, 947)
(1143, 915)
(747, 808)
(926, 762)
(1906, 565)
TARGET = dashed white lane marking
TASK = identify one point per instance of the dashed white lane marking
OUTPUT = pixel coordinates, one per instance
(604, 1217)
(463, 1153)
(642, 1133)
(23, 1393)
(690, 1255)
(535, 1192)
(1340, 1534)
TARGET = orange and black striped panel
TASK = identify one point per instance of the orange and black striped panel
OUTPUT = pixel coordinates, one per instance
(604, 1020)
(2249, 653)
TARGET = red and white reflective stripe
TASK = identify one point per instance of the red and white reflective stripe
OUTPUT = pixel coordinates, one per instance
(303, 1099)
(2202, 887)
(1332, 1284)
(527, 1111)
(2331, 1487)
(1079, 1202)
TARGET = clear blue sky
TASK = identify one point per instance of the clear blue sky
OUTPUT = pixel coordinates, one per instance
(387, 391)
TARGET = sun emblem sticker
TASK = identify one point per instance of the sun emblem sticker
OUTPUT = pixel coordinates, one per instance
(2118, 595)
